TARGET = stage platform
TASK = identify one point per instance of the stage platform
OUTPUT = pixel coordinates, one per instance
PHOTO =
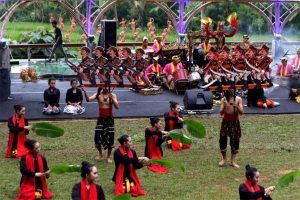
(131, 104)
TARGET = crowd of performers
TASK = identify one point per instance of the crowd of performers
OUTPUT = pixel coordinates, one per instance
(35, 171)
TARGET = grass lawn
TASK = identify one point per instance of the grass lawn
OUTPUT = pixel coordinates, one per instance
(270, 143)
(15, 29)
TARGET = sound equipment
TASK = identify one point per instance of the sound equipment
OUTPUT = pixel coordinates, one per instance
(198, 99)
(108, 36)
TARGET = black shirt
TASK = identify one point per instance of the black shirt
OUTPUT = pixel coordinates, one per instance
(51, 98)
(76, 192)
(74, 97)
(148, 134)
(57, 33)
(246, 195)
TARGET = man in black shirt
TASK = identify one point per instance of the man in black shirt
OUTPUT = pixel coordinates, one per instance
(57, 42)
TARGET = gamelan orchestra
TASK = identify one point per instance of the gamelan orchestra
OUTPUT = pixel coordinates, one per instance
(178, 67)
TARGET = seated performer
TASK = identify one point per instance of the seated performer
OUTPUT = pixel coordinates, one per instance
(256, 97)
(174, 120)
(154, 139)
(74, 100)
(128, 65)
(263, 64)
(212, 66)
(105, 130)
(126, 162)
(246, 43)
(296, 61)
(226, 63)
(114, 65)
(100, 61)
(85, 68)
(18, 129)
(51, 99)
(205, 47)
(34, 170)
(250, 188)
(231, 108)
(284, 69)
(140, 67)
(154, 72)
(170, 69)
(87, 188)
(157, 45)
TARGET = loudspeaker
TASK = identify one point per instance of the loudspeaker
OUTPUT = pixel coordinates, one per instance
(108, 36)
(197, 99)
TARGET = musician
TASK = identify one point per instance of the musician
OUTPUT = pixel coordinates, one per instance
(246, 43)
(264, 62)
(100, 61)
(239, 61)
(154, 72)
(128, 65)
(296, 61)
(145, 43)
(140, 66)
(226, 63)
(85, 68)
(231, 108)
(157, 45)
(104, 131)
(169, 70)
(284, 69)
(206, 46)
(114, 64)
(251, 57)
(213, 64)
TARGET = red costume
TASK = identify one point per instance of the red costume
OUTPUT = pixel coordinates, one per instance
(125, 176)
(153, 148)
(171, 122)
(17, 137)
(28, 186)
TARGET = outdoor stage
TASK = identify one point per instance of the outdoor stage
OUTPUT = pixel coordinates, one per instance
(131, 104)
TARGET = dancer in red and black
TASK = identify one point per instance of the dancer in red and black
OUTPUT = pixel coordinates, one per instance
(126, 162)
(34, 170)
(87, 189)
(174, 120)
(231, 108)
(250, 190)
(105, 129)
(154, 139)
(18, 129)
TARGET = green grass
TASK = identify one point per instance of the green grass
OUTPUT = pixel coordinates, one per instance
(270, 143)
(15, 29)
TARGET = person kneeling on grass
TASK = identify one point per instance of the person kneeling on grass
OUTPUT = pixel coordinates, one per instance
(251, 190)
(126, 162)
(34, 170)
(154, 139)
(87, 189)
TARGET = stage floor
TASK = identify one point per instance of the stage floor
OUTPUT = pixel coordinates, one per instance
(131, 104)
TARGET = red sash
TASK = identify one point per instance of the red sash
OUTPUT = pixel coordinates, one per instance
(93, 195)
(105, 112)
(154, 153)
(27, 189)
(21, 149)
(134, 190)
(256, 188)
(176, 146)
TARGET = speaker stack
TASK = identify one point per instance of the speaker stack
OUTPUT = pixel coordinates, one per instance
(198, 99)
(108, 36)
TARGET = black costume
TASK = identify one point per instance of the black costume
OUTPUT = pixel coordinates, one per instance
(74, 97)
(76, 192)
(51, 97)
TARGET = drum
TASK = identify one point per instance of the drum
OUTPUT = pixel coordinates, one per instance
(181, 80)
(180, 75)
(194, 79)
